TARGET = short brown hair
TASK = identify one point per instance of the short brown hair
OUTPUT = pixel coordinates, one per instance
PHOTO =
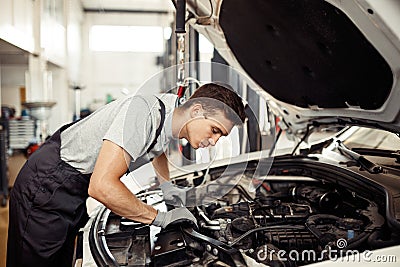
(217, 96)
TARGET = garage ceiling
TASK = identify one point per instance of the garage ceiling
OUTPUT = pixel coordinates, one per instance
(10, 54)
(128, 5)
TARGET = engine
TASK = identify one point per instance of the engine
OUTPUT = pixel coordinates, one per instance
(282, 218)
(285, 222)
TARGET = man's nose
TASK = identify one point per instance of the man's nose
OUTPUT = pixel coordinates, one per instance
(214, 139)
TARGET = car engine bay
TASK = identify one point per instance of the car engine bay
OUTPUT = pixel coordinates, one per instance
(289, 220)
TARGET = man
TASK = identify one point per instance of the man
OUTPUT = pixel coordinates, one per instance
(87, 158)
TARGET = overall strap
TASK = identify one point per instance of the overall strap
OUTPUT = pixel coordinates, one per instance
(159, 129)
(158, 132)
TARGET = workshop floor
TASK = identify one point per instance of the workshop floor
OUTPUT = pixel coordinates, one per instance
(15, 163)
(3, 234)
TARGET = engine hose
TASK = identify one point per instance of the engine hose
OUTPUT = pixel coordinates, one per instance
(269, 227)
(375, 241)
(244, 192)
(312, 222)
(356, 242)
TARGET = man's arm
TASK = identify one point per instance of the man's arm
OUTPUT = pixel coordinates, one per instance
(106, 187)
(160, 165)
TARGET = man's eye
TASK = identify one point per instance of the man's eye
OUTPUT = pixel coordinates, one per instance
(215, 131)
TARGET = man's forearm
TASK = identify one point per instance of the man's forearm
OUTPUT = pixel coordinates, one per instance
(105, 185)
(121, 201)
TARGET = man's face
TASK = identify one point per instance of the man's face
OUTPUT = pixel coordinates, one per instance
(203, 131)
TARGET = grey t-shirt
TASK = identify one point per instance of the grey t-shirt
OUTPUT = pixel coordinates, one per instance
(130, 122)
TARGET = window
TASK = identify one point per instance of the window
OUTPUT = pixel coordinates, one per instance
(126, 38)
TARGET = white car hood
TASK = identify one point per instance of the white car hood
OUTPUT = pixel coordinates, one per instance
(316, 61)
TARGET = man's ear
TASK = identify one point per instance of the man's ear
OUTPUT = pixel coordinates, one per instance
(196, 110)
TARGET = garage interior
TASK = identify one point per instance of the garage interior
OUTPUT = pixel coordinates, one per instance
(61, 60)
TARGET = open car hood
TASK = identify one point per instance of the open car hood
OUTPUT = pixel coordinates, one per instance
(316, 61)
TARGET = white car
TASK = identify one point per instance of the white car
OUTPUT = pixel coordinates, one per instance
(319, 64)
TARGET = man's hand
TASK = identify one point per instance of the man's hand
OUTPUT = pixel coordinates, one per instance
(174, 195)
(163, 219)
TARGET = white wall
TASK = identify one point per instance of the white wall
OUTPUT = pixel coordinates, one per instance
(109, 72)
(13, 77)
(63, 78)
(68, 50)
(74, 41)
(16, 18)
(61, 112)
(33, 21)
